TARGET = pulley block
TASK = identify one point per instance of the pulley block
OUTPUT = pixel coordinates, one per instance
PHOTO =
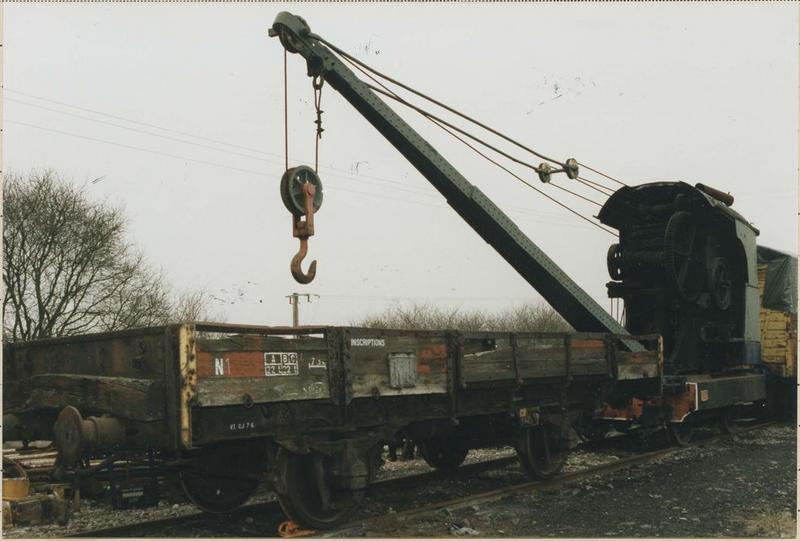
(546, 171)
(293, 191)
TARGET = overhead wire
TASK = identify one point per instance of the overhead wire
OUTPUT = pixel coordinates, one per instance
(147, 124)
(390, 94)
(421, 190)
(136, 130)
(527, 213)
(133, 147)
(260, 151)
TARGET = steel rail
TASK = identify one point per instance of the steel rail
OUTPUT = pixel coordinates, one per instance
(528, 486)
(127, 530)
(464, 472)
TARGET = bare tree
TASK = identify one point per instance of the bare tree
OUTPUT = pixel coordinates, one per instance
(527, 317)
(67, 268)
(193, 306)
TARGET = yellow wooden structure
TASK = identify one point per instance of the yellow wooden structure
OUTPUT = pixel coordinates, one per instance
(778, 336)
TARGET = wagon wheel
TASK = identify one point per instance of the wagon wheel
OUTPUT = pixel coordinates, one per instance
(680, 434)
(222, 477)
(442, 454)
(307, 492)
(539, 453)
(734, 419)
(683, 256)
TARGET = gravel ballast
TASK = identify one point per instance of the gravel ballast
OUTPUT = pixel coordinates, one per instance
(727, 487)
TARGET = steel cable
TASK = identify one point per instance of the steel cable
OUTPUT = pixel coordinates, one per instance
(444, 125)
(602, 174)
(453, 110)
(432, 100)
(595, 186)
(286, 107)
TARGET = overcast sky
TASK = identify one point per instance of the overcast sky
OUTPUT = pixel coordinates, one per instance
(178, 110)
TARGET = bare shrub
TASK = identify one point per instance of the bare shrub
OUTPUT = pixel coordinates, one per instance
(417, 316)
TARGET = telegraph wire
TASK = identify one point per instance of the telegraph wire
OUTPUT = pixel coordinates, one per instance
(188, 134)
(167, 154)
(147, 124)
(250, 149)
(528, 213)
(132, 147)
(425, 190)
(121, 126)
(336, 172)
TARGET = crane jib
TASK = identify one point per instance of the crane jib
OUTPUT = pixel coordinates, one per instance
(491, 223)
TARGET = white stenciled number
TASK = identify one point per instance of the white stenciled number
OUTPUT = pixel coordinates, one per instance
(241, 426)
(280, 364)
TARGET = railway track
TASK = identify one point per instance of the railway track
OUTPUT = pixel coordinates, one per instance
(357, 527)
(272, 508)
(270, 514)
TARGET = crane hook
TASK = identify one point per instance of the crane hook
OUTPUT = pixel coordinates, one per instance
(301, 191)
(297, 272)
(302, 178)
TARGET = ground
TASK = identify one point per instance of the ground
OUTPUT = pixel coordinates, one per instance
(726, 487)
(730, 487)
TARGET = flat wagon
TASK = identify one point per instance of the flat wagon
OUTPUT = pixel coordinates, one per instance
(309, 409)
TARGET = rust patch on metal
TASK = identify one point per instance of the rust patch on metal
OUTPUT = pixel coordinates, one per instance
(632, 411)
(684, 403)
(587, 344)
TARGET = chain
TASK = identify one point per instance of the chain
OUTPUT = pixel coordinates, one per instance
(317, 83)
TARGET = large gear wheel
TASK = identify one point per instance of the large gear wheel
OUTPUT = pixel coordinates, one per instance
(720, 283)
(683, 257)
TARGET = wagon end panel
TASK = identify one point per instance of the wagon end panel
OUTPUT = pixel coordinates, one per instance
(116, 374)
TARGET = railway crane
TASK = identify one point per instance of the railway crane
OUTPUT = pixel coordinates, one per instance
(218, 405)
(685, 263)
